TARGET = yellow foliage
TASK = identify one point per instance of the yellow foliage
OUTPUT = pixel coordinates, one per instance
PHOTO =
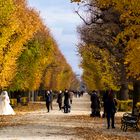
(133, 58)
(130, 35)
(98, 72)
(17, 27)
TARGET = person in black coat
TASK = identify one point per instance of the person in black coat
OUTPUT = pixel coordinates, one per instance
(48, 100)
(66, 101)
(110, 110)
(59, 99)
(105, 98)
(95, 105)
(51, 99)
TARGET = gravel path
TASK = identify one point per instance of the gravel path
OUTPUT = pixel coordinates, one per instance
(76, 125)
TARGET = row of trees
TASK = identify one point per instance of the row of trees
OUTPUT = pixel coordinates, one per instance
(110, 45)
(30, 58)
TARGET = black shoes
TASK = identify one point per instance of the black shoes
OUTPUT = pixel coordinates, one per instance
(113, 127)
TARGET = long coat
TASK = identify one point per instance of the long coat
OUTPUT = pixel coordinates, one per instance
(95, 103)
(66, 98)
(110, 107)
(59, 98)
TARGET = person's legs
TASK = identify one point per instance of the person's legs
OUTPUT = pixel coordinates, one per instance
(94, 112)
(98, 113)
(112, 120)
(60, 105)
(104, 113)
(48, 106)
(64, 108)
(67, 108)
(108, 120)
(51, 105)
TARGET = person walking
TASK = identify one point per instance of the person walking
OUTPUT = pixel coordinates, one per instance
(66, 101)
(48, 99)
(59, 99)
(110, 110)
(95, 104)
(104, 99)
(51, 99)
(71, 96)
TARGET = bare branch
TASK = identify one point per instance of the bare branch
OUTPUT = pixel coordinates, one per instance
(83, 18)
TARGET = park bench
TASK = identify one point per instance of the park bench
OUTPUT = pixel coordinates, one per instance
(129, 120)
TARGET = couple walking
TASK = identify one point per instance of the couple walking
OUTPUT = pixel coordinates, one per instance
(68, 95)
(109, 105)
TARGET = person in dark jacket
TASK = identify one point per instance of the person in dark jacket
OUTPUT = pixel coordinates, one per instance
(66, 101)
(105, 97)
(110, 110)
(71, 96)
(59, 99)
(95, 104)
(51, 99)
(48, 100)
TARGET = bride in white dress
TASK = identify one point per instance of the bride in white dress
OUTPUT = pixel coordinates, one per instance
(5, 107)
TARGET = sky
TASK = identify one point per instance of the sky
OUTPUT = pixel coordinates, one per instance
(59, 16)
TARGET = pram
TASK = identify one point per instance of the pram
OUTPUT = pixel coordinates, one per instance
(66, 108)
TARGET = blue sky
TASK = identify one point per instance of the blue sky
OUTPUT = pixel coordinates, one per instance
(59, 16)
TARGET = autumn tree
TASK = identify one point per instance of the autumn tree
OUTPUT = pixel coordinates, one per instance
(129, 38)
(17, 25)
(100, 29)
(105, 28)
(32, 60)
(60, 74)
(28, 51)
(41, 65)
(98, 71)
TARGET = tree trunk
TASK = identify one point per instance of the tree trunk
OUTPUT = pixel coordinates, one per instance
(124, 92)
(124, 83)
(29, 95)
(33, 96)
(136, 93)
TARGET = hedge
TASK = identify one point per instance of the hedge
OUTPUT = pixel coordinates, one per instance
(124, 105)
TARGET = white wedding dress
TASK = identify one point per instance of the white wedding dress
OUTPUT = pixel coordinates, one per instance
(5, 107)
